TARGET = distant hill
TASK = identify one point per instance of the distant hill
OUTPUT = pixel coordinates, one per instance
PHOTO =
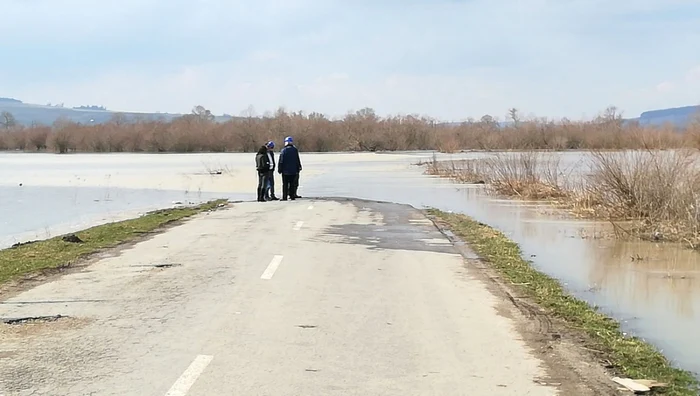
(679, 116)
(27, 114)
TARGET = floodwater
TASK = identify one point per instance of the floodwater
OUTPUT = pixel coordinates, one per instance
(656, 298)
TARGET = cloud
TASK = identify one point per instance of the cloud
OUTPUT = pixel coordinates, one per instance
(665, 87)
(448, 58)
(693, 75)
(680, 90)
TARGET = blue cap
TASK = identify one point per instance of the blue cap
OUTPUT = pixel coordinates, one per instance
(270, 144)
(288, 139)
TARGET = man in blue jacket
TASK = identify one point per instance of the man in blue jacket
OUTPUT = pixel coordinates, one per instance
(289, 166)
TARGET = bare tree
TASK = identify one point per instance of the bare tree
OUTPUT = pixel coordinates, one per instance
(249, 112)
(7, 120)
(488, 120)
(611, 115)
(202, 113)
(514, 115)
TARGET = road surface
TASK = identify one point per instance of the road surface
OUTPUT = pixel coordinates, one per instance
(279, 298)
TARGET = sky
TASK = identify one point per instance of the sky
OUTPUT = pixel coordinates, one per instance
(449, 59)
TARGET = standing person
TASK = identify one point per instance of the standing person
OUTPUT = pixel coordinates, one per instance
(270, 190)
(289, 167)
(262, 165)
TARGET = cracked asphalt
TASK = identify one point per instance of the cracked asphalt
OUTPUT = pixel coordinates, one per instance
(364, 299)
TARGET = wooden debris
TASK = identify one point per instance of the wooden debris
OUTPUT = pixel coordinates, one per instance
(632, 385)
(650, 383)
(639, 385)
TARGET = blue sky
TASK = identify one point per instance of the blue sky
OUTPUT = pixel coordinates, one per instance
(450, 59)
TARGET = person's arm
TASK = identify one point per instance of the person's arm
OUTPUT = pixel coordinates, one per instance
(280, 159)
(299, 160)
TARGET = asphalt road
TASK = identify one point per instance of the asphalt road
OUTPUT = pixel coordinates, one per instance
(276, 298)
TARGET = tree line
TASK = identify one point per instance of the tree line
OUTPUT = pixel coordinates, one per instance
(361, 130)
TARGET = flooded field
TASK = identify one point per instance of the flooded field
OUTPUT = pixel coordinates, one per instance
(655, 298)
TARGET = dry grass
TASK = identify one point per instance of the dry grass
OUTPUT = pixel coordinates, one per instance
(657, 190)
(527, 175)
(471, 171)
(359, 131)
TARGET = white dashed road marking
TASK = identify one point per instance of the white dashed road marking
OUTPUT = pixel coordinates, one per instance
(297, 227)
(276, 261)
(189, 377)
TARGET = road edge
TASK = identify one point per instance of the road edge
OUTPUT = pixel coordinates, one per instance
(563, 334)
(31, 278)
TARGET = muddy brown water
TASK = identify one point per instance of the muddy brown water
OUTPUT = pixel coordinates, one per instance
(656, 295)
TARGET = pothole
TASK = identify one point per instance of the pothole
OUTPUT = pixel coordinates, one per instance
(167, 265)
(32, 319)
(162, 265)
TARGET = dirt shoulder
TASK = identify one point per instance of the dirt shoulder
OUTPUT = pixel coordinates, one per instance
(582, 348)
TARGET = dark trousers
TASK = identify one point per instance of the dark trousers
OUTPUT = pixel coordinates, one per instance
(262, 185)
(270, 190)
(290, 183)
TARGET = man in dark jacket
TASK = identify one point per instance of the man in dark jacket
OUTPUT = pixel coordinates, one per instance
(270, 190)
(262, 165)
(289, 167)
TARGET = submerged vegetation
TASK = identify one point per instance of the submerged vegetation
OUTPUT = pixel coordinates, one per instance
(657, 192)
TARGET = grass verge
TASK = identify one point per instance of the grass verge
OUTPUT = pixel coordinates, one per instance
(629, 356)
(55, 253)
